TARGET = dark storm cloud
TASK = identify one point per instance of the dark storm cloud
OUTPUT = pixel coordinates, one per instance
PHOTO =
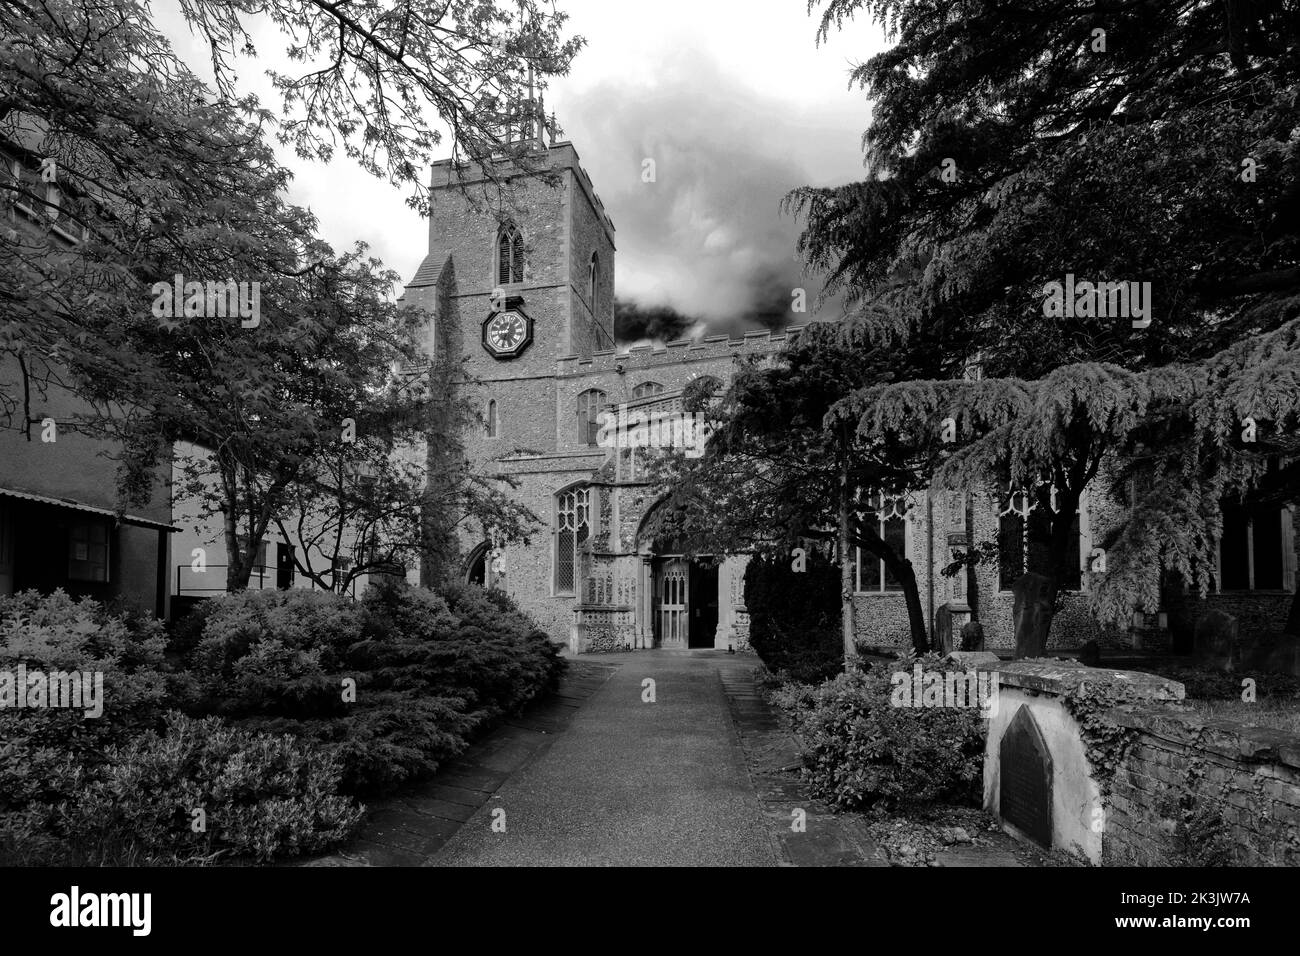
(706, 239)
(634, 323)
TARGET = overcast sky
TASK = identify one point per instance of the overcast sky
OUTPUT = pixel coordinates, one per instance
(731, 98)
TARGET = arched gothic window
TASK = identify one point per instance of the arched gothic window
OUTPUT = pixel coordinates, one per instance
(1025, 534)
(572, 527)
(889, 514)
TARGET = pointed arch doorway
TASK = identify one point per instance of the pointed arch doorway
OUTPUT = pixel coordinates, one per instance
(684, 611)
(680, 595)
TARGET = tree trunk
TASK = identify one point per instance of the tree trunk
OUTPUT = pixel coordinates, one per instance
(233, 556)
(902, 569)
(846, 569)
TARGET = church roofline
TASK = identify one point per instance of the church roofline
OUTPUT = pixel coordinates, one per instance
(756, 342)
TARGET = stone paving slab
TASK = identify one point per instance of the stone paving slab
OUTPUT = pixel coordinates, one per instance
(772, 754)
(976, 856)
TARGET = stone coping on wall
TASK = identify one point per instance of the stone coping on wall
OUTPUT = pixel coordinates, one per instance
(1061, 678)
(1218, 735)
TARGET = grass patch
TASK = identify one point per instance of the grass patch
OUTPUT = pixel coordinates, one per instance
(1279, 713)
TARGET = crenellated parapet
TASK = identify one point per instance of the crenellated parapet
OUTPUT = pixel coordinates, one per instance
(708, 349)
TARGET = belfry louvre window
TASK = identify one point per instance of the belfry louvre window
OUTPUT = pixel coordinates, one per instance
(589, 405)
(572, 526)
(646, 389)
(510, 256)
(595, 282)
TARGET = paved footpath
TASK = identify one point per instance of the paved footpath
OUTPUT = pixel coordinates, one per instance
(631, 782)
(595, 774)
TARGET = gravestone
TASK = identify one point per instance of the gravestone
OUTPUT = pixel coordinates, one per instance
(1215, 640)
(943, 629)
(972, 636)
(1025, 787)
(1031, 614)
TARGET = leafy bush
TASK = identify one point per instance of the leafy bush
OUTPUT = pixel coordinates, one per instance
(186, 628)
(387, 740)
(794, 616)
(299, 619)
(860, 751)
(261, 796)
(429, 673)
(54, 633)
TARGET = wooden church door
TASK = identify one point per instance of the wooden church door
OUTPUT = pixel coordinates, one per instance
(674, 603)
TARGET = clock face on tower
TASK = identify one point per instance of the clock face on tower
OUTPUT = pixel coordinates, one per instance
(507, 334)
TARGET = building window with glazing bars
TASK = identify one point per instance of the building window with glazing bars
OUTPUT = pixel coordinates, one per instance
(572, 527)
(889, 515)
(1025, 536)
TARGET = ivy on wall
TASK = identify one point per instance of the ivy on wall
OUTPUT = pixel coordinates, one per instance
(1105, 742)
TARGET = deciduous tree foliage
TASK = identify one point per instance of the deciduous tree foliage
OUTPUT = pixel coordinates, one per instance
(159, 177)
(375, 73)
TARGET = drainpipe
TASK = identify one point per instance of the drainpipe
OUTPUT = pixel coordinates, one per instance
(929, 559)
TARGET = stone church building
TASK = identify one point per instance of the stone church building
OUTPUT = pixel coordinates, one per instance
(521, 287)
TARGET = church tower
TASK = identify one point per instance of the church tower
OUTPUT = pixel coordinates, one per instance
(517, 277)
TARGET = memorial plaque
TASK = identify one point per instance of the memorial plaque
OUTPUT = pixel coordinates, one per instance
(1025, 787)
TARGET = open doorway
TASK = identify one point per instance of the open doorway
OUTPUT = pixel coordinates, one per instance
(704, 604)
(685, 602)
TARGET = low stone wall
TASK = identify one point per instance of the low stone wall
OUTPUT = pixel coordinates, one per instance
(1051, 791)
(1176, 786)
(1248, 776)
